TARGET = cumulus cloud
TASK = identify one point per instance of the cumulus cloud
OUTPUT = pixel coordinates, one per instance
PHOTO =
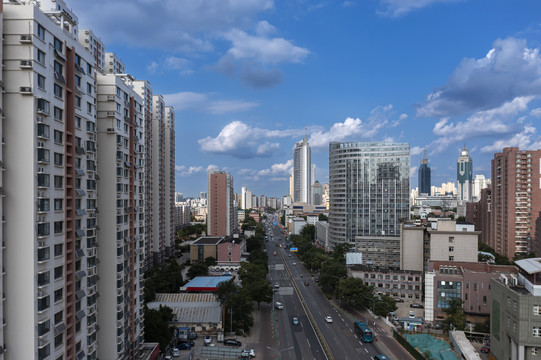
(180, 64)
(396, 8)
(277, 172)
(509, 70)
(182, 25)
(267, 148)
(184, 171)
(416, 150)
(253, 58)
(497, 121)
(203, 103)
(413, 171)
(527, 138)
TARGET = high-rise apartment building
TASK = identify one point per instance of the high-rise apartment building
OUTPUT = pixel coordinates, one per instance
(75, 138)
(369, 189)
(243, 198)
(169, 180)
(516, 202)
(464, 169)
(302, 171)
(49, 154)
(221, 204)
(291, 187)
(122, 203)
(424, 177)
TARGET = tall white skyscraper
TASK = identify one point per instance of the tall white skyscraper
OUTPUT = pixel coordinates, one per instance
(302, 171)
(243, 198)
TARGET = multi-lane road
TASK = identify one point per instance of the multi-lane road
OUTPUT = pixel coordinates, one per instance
(314, 337)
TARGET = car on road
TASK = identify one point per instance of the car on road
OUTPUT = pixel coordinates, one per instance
(380, 357)
(316, 279)
(412, 314)
(168, 357)
(276, 286)
(294, 263)
(416, 306)
(248, 353)
(485, 349)
(295, 320)
(278, 305)
(306, 283)
(288, 255)
(208, 339)
(232, 342)
(399, 300)
(189, 342)
(328, 319)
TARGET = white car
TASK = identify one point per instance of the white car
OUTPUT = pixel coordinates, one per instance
(248, 352)
(412, 314)
(328, 319)
(176, 352)
(208, 340)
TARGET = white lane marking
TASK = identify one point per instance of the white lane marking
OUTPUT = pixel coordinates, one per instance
(308, 343)
(365, 349)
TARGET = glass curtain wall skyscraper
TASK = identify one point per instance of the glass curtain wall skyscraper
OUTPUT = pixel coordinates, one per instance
(369, 189)
(464, 175)
(302, 170)
(424, 177)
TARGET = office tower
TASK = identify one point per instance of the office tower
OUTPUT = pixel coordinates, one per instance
(464, 168)
(262, 201)
(325, 195)
(249, 200)
(122, 219)
(369, 189)
(424, 176)
(302, 181)
(220, 217)
(292, 187)
(49, 213)
(179, 197)
(316, 193)
(312, 174)
(516, 202)
(202, 195)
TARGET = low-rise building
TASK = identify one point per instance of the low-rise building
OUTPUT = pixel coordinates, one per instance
(402, 284)
(204, 247)
(469, 281)
(379, 251)
(231, 251)
(515, 319)
(297, 224)
(322, 235)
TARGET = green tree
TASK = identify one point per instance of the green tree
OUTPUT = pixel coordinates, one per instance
(197, 270)
(283, 220)
(384, 305)
(157, 325)
(323, 217)
(483, 327)
(455, 314)
(308, 232)
(339, 251)
(250, 272)
(210, 261)
(352, 292)
(259, 290)
(331, 272)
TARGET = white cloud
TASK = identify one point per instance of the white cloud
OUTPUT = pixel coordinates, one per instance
(535, 113)
(267, 148)
(497, 121)
(509, 70)
(527, 139)
(152, 67)
(263, 28)
(182, 170)
(178, 26)
(416, 150)
(278, 169)
(413, 171)
(277, 172)
(396, 8)
(181, 64)
(203, 103)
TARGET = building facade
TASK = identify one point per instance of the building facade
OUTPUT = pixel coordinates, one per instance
(515, 202)
(407, 285)
(515, 321)
(464, 175)
(302, 170)
(316, 193)
(220, 216)
(369, 189)
(424, 177)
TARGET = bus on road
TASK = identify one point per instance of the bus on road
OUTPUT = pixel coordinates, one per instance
(364, 331)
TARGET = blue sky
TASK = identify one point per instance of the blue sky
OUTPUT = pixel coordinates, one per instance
(247, 77)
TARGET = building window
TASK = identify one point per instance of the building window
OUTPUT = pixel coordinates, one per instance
(41, 32)
(44, 327)
(58, 91)
(58, 250)
(58, 204)
(43, 180)
(58, 159)
(536, 331)
(451, 258)
(58, 181)
(44, 106)
(451, 248)
(58, 272)
(44, 229)
(41, 82)
(58, 295)
(43, 155)
(58, 45)
(43, 204)
(535, 351)
(451, 239)
(58, 227)
(43, 254)
(58, 137)
(537, 309)
(40, 58)
(58, 113)
(78, 104)
(44, 278)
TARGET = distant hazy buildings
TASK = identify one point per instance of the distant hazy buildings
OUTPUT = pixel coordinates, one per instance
(302, 170)
(369, 189)
(464, 169)
(316, 193)
(221, 204)
(479, 183)
(424, 177)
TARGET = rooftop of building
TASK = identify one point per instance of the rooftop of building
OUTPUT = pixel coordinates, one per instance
(531, 266)
(190, 308)
(463, 266)
(208, 240)
(200, 283)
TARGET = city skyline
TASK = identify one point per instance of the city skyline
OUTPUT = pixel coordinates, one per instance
(435, 74)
